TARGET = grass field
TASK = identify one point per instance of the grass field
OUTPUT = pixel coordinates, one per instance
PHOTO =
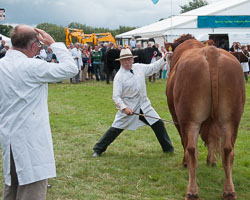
(134, 166)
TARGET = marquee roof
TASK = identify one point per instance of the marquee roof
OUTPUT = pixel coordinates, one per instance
(158, 28)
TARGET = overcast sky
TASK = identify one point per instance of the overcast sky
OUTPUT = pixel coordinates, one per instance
(96, 13)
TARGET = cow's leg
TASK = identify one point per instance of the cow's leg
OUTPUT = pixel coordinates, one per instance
(183, 142)
(184, 162)
(228, 139)
(191, 133)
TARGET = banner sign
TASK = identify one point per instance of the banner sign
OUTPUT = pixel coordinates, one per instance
(223, 21)
(2, 14)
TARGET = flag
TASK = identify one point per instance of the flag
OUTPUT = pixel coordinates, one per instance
(2, 14)
(155, 1)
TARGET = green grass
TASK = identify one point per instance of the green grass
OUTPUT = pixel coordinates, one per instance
(134, 166)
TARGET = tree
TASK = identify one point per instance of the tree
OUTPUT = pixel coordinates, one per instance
(5, 30)
(57, 32)
(193, 5)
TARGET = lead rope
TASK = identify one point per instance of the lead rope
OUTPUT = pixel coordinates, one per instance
(143, 115)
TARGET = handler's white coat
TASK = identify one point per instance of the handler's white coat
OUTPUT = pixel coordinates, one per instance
(129, 90)
(24, 117)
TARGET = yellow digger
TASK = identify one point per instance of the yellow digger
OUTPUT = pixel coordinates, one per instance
(94, 38)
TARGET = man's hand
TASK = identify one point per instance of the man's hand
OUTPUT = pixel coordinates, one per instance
(167, 55)
(128, 111)
(44, 37)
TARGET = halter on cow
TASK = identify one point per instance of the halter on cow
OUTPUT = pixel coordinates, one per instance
(206, 95)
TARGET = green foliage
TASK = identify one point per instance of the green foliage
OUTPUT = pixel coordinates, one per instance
(5, 30)
(193, 5)
(57, 32)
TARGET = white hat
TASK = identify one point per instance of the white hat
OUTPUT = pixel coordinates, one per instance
(126, 53)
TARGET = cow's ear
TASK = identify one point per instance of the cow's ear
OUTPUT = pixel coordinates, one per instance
(168, 46)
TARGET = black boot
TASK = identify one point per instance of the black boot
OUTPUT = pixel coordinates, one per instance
(162, 136)
(106, 140)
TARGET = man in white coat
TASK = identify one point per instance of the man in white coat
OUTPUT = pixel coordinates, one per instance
(130, 96)
(77, 56)
(25, 135)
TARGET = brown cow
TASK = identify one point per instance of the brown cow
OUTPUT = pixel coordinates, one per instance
(206, 95)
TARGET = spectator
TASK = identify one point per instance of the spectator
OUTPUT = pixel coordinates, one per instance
(236, 47)
(96, 58)
(156, 56)
(43, 54)
(164, 68)
(77, 56)
(4, 50)
(133, 43)
(119, 47)
(104, 50)
(138, 46)
(2, 44)
(245, 65)
(90, 66)
(85, 60)
(28, 158)
(49, 54)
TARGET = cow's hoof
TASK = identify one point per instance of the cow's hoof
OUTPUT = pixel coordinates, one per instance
(213, 165)
(229, 196)
(190, 196)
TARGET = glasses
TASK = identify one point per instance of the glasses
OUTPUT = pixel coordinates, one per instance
(40, 44)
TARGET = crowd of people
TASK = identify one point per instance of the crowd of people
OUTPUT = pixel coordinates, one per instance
(91, 59)
(242, 52)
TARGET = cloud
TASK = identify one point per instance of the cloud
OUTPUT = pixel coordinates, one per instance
(95, 13)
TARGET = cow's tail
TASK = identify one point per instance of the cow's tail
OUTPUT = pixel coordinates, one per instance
(210, 129)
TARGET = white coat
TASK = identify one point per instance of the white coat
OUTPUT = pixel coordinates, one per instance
(24, 113)
(77, 56)
(129, 90)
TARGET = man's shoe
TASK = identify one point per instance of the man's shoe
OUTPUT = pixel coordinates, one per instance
(95, 154)
(169, 151)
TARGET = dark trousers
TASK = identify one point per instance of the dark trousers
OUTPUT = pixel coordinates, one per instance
(246, 76)
(97, 70)
(158, 128)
